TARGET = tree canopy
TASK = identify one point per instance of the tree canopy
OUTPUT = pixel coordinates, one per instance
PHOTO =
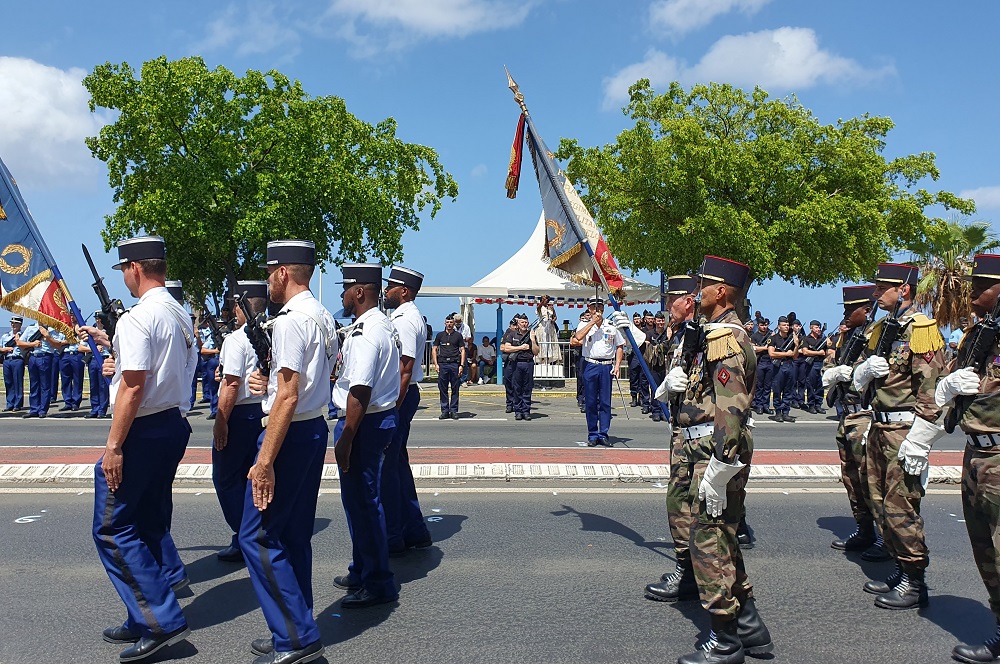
(717, 170)
(219, 165)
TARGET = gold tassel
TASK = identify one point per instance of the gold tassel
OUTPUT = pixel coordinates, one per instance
(722, 344)
(3, 215)
(925, 337)
(876, 334)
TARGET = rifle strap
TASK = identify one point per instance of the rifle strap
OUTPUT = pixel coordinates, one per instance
(184, 324)
(328, 339)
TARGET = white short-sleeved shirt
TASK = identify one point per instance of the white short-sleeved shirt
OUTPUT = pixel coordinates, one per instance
(601, 342)
(298, 343)
(487, 352)
(150, 337)
(465, 331)
(207, 340)
(371, 357)
(238, 358)
(412, 333)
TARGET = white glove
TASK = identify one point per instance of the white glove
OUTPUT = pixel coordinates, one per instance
(713, 485)
(872, 368)
(620, 320)
(917, 445)
(676, 380)
(963, 381)
(840, 374)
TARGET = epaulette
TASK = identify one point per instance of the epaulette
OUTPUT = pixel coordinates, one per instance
(875, 333)
(925, 337)
(357, 330)
(721, 344)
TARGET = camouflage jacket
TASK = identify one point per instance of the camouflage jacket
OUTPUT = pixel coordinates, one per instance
(983, 413)
(915, 363)
(851, 395)
(720, 385)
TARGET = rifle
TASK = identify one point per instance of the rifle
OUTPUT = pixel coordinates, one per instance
(258, 332)
(849, 354)
(111, 310)
(974, 354)
(892, 330)
(218, 333)
(691, 345)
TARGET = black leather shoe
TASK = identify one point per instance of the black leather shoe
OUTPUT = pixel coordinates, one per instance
(819, 410)
(769, 411)
(882, 587)
(753, 633)
(181, 585)
(211, 416)
(7, 410)
(262, 646)
(65, 408)
(583, 409)
(788, 418)
(445, 416)
(607, 442)
(90, 416)
(525, 417)
(119, 635)
(361, 599)
(988, 653)
(147, 645)
(862, 538)
(676, 587)
(517, 416)
(29, 415)
(347, 582)
(645, 410)
(909, 593)
(231, 554)
(425, 543)
(592, 442)
(309, 653)
(876, 552)
(454, 416)
(509, 409)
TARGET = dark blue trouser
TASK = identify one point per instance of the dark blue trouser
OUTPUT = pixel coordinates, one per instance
(132, 525)
(100, 390)
(637, 381)
(814, 384)
(194, 381)
(508, 385)
(404, 522)
(209, 386)
(765, 377)
(521, 384)
(71, 368)
(277, 543)
(39, 383)
(579, 381)
(54, 368)
(655, 405)
(13, 381)
(231, 465)
(597, 392)
(359, 491)
(784, 387)
(801, 370)
(448, 377)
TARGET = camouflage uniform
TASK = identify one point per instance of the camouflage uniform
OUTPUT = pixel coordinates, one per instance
(680, 512)
(909, 387)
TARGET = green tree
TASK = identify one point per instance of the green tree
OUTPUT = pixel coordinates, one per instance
(945, 255)
(218, 165)
(721, 171)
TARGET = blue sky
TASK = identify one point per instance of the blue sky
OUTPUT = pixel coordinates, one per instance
(437, 67)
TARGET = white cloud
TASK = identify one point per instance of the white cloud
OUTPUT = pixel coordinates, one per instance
(259, 27)
(986, 197)
(677, 17)
(479, 170)
(785, 59)
(43, 125)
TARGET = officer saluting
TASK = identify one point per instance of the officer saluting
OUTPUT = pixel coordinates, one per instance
(279, 507)
(601, 344)
(366, 391)
(154, 359)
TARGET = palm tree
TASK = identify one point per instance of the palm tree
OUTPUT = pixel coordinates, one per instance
(944, 257)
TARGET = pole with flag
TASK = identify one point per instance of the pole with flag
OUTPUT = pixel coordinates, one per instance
(30, 281)
(574, 246)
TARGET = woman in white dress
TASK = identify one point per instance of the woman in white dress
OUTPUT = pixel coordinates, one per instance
(547, 334)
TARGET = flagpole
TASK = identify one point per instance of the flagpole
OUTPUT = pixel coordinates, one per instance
(575, 224)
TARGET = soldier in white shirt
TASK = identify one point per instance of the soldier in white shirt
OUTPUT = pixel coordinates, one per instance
(404, 521)
(238, 421)
(366, 392)
(280, 506)
(154, 355)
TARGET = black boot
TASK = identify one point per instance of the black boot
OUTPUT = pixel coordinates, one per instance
(645, 410)
(882, 587)
(753, 633)
(723, 646)
(988, 653)
(862, 538)
(909, 593)
(876, 552)
(676, 587)
(743, 536)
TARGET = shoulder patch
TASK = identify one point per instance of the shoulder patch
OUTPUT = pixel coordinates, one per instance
(723, 376)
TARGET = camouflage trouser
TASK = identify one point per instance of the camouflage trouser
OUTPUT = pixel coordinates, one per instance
(981, 507)
(896, 496)
(715, 552)
(852, 435)
(684, 457)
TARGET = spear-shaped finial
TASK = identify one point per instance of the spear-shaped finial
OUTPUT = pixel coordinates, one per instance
(518, 97)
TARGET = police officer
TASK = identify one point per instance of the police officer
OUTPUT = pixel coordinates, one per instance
(154, 356)
(521, 347)
(905, 428)
(404, 522)
(367, 390)
(508, 371)
(602, 344)
(449, 358)
(978, 401)
(238, 420)
(13, 366)
(765, 368)
(783, 348)
(36, 342)
(100, 398)
(279, 508)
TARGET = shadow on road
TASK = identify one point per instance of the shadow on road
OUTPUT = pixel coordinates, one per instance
(444, 526)
(221, 603)
(320, 524)
(966, 619)
(338, 625)
(841, 527)
(596, 523)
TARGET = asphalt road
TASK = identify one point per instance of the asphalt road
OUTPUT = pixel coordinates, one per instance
(530, 575)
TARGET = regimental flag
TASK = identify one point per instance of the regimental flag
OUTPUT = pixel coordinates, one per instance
(30, 283)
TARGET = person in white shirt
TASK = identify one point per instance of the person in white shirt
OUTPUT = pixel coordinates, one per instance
(487, 360)
(602, 345)
(367, 392)
(152, 363)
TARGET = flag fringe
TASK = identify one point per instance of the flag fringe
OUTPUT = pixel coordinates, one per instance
(10, 303)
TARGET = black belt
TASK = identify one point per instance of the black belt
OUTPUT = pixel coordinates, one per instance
(41, 354)
(71, 352)
(984, 440)
(14, 357)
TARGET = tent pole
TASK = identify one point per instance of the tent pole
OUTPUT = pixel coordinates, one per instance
(500, 331)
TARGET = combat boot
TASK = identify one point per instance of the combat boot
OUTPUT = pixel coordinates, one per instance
(882, 587)
(677, 587)
(909, 593)
(988, 653)
(862, 538)
(722, 647)
(876, 552)
(753, 633)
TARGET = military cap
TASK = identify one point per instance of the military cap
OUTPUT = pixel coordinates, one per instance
(782, 319)
(176, 290)
(796, 321)
(361, 273)
(985, 266)
(16, 319)
(731, 272)
(595, 300)
(815, 322)
(251, 289)
(859, 295)
(295, 252)
(897, 273)
(142, 248)
(660, 315)
(681, 284)
(636, 314)
(404, 276)
(646, 313)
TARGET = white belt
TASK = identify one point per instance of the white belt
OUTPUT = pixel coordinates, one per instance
(983, 440)
(297, 417)
(698, 431)
(596, 361)
(892, 416)
(379, 409)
